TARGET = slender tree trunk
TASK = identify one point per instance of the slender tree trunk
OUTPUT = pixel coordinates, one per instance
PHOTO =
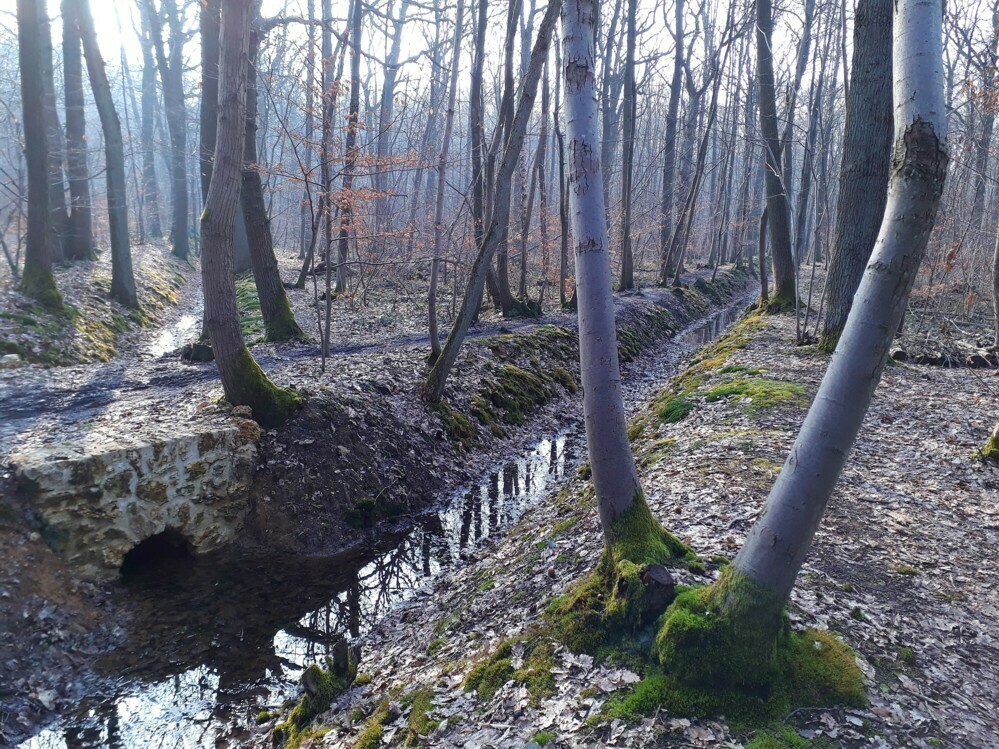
(306, 218)
(864, 171)
(435, 344)
(627, 278)
(172, 79)
(279, 320)
(58, 214)
(669, 156)
(988, 116)
(122, 278)
(150, 186)
(79, 234)
(433, 389)
(37, 280)
(780, 539)
(779, 225)
(243, 381)
(995, 292)
(563, 188)
(350, 146)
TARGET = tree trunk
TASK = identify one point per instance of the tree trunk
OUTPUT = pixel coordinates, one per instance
(172, 78)
(79, 234)
(37, 280)
(150, 187)
(279, 320)
(58, 213)
(122, 278)
(780, 539)
(243, 381)
(627, 279)
(779, 226)
(433, 389)
(864, 171)
(669, 157)
(435, 344)
(350, 146)
(995, 292)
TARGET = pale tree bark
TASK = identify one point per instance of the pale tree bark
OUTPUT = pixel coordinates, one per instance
(150, 186)
(435, 344)
(781, 537)
(243, 381)
(37, 280)
(995, 292)
(79, 235)
(306, 218)
(779, 222)
(433, 388)
(864, 170)
(172, 79)
(669, 157)
(627, 278)
(279, 320)
(122, 277)
(987, 106)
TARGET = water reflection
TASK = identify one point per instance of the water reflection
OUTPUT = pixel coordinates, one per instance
(209, 643)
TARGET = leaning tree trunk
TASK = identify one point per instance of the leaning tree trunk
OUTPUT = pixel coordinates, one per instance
(242, 379)
(499, 218)
(749, 598)
(779, 224)
(435, 343)
(79, 233)
(122, 278)
(37, 280)
(628, 525)
(864, 171)
(279, 320)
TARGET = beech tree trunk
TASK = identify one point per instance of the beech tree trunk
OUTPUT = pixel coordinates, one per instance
(669, 156)
(58, 213)
(627, 279)
(279, 320)
(779, 223)
(615, 478)
(122, 278)
(350, 146)
(433, 388)
(864, 171)
(243, 381)
(37, 280)
(150, 186)
(79, 235)
(172, 78)
(435, 343)
(781, 537)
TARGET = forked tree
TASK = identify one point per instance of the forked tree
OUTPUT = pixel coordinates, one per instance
(242, 379)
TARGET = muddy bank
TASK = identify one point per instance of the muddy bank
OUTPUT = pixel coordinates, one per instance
(374, 453)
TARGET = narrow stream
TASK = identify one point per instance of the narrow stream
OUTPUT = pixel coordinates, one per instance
(211, 642)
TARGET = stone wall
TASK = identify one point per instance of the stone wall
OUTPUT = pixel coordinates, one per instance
(94, 508)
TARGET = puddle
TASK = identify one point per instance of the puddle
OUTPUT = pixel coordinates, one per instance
(212, 642)
(170, 339)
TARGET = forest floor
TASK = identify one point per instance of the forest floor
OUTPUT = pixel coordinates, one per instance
(900, 570)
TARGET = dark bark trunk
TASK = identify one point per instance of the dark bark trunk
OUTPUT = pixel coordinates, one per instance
(347, 201)
(79, 235)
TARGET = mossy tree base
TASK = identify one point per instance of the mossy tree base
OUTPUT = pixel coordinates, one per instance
(727, 649)
(271, 405)
(623, 595)
(990, 451)
(322, 686)
(40, 285)
(284, 327)
(784, 299)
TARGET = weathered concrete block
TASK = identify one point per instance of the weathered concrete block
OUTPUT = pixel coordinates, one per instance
(100, 501)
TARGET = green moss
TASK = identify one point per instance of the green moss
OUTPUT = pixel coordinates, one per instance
(990, 451)
(434, 647)
(673, 408)
(271, 405)
(420, 724)
(907, 655)
(40, 285)
(535, 672)
(762, 394)
(327, 685)
(371, 736)
(782, 300)
(728, 649)
(282, 326)
(635, 429)
(778, 737)
(456, 425)
(517, 393)
(251, 320)
(487, 678)
(543, 738)
(565, 379)
(611, 602)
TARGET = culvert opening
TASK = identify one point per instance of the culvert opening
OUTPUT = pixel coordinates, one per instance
(158, 553)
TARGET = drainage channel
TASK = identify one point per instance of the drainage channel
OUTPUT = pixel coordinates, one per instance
(211, 644)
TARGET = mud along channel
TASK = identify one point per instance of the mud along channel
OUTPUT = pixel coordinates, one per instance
(211, 642)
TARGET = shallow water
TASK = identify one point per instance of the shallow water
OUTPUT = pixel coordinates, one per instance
(212, 641)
